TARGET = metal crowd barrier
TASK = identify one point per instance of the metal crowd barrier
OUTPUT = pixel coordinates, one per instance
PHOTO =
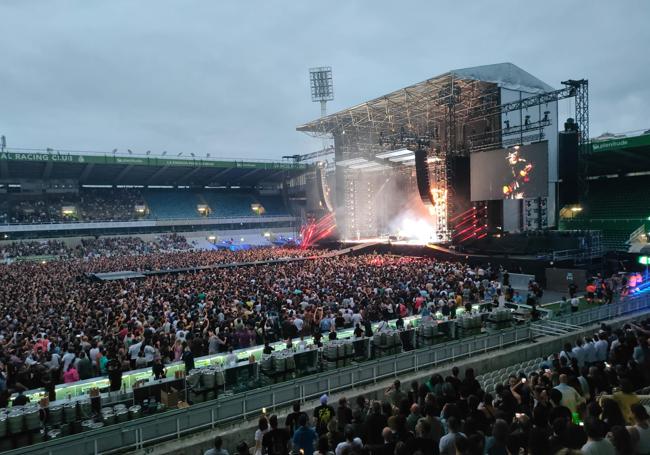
(174, 424)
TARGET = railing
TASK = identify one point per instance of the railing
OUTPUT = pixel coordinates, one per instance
(175, 424)
(82, 225)
(145, 220)
(588, 253)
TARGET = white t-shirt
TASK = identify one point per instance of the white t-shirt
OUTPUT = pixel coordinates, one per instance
(259, 434)
(602, 447)
(149, 353)
(601, 350)
(447, 444)
(68, 358)
(93, 354)
(579, 355)
(298, 323)
(340, 448)
(134, 350)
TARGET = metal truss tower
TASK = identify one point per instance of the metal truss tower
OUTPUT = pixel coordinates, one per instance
(581, 93)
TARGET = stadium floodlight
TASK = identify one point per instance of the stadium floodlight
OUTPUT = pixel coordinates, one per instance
(322, 86)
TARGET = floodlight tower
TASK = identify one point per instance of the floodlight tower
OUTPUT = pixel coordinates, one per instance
(322, 86)
(322, 89)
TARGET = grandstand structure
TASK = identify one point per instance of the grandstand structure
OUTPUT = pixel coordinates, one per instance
(49, 194)
(618, 199)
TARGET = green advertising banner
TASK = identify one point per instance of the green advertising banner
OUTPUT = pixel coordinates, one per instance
(144, 161)
(621, 143)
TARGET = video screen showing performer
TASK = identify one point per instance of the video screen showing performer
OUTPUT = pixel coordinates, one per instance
(519, 172)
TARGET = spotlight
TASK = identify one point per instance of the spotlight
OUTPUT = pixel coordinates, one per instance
(527, 120)
(507, 124)
(546, 114)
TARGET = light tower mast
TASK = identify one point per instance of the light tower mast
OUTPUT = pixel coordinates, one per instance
(322, 89)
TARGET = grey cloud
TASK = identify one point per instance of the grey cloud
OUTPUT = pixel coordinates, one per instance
(230, 78)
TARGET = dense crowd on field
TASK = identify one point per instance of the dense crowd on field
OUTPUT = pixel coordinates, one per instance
(54, 316)
(59, 324)
(582, 400)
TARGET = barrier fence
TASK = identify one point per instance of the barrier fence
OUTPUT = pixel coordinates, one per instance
(175, 424)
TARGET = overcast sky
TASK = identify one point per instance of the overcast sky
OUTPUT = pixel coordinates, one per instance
(231, 78)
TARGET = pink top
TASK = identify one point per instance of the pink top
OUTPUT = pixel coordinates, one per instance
(71, 375)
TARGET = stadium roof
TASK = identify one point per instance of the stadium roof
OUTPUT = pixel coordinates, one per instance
(99, 169)
(621, 154)
(428, 99)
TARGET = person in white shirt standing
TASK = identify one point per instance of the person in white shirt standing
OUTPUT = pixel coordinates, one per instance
(575, 303)
(570, 396)
(579, 353)
(589, 349)
(602, 347)
(597, 443)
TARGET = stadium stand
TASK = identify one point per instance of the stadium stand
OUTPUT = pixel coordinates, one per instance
(118, 204)
(273, 205)
(616, 207)
(229, 204)
(113, 204)
(163, 203)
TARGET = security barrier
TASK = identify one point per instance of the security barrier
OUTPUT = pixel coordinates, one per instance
(175, 424)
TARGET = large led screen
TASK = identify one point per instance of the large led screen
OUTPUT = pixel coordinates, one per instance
(513, 173)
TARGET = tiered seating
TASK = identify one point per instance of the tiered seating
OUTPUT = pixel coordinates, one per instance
(490, 380)
(273, 205)
(229, 203)
(616, 207)
(171, 204)
(118, 204)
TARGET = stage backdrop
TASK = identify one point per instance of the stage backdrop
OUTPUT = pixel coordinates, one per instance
(510, 173)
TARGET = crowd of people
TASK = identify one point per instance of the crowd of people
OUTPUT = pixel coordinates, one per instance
(33, 248)
(31, 211)
(54, 316)
(114, 204)
(573, 403)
